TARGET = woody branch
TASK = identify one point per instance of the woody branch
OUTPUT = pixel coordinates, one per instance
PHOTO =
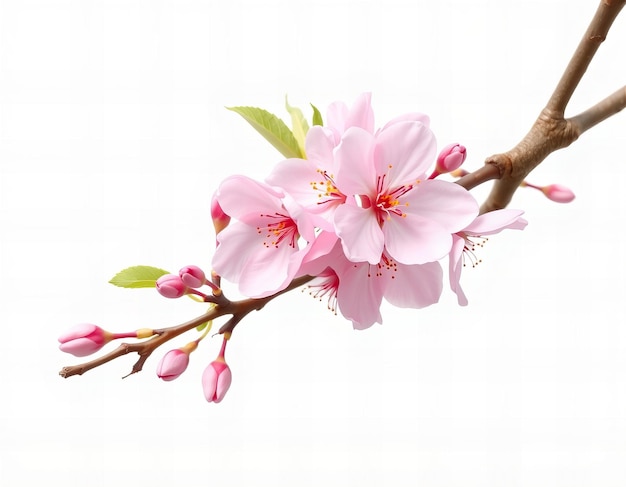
(552, 131)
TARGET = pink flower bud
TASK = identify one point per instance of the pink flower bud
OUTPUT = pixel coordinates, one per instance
(173, 364)
(84, 339)
(192, 276)
(451, 158)
(220, 219)
(558, 193)
(216, 380)
(171, 286)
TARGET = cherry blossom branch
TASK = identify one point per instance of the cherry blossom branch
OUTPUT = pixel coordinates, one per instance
(552, 131)
(238, 310)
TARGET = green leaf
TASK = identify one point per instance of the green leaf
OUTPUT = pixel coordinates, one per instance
(138, 276)
(317, 116)
(272, 128)
(203, 325)
(298, 123)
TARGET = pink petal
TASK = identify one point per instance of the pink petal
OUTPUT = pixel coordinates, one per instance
(209, 382)
(403, 152)
(361, 237)
(495, 221)
(415, 286)
(448, 204)
(295, 177)
(267, 271)
(325, 251)
(319, 145)
(336, 115)
(359, 295)
(236, 242)
(354, 156)
(240, 196)
(415, 240)
(409, 117)
(455, 267)
(361, 114)
(224, 380)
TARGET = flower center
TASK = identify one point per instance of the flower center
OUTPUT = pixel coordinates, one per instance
(325, 286)
(469, 249)
(327, 189)
(388, 201)
(386, 264)
(278, 228)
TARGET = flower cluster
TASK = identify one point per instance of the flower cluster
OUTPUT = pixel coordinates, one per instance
(359, 213)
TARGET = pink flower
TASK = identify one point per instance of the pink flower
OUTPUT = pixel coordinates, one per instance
(357, 289)
(466, 241)
(396, 208)
(260, 251)
(173, 364)
(311, 181)
(84, 339)
(217, 377)
(171, 286)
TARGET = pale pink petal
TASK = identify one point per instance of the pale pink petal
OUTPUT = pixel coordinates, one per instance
(267, 271)
(361, 236)
(403, 153)
(336, 115)
(359, 295)
(354, 157)
(361, 114)
(239, 196)
(415, 240)
(409, 117)
(455, 267)
(325, 251)
(209, 382)
(446, 203)
(223, 383)
(495, 221)
(236, 243)
(295, 177)
(319, 145)
(415, 286)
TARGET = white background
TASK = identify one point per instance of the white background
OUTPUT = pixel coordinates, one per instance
(114, 135)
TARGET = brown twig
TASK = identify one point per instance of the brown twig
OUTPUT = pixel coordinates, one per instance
(552, 131)
(238, 310)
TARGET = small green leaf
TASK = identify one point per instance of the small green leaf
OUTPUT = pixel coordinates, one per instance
(138, 276)
(272, 128)
(317, 116)
(203, 325)
(298, 123)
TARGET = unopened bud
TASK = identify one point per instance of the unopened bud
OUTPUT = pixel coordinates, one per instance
(216, 380)
(171, 286)
(217, 377)
(173, 364)
(192, 276)
(220, 219)
(451, 158)
(558, 193)
(84, 339)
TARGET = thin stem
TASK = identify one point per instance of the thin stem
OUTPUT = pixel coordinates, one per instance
(611, 105)
(238, 310)
(594, 36)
